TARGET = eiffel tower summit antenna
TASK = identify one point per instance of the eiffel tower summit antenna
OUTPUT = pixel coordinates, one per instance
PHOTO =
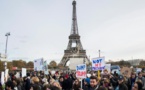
(74, 52)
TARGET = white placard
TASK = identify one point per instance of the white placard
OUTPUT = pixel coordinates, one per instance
(138, 69)
(17, 75)
(98, 63)
(108, 67)
(52, 72)
(81, 71)
(6, 74)
(45, 68)
(38, 64)
(24, 71)
(2, 78)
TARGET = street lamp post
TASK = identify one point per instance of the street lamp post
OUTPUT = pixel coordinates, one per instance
(7, 35)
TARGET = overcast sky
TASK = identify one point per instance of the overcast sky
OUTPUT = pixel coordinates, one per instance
(40, 28)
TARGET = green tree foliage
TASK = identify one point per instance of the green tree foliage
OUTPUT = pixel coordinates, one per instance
(142, 63)
(53, 64)
(16, 63)
(9, 65)
(1, 66)
(19, 63)
(120, 63)
(30, 64)
(60, 66)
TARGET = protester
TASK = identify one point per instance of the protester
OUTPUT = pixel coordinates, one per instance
(140, 77)
(122, 85)
(105, 74)
(107, 84)
(132, 80)
(9, 85)
(94, 83)
(76, 85)
(68, 81)
(61, 80)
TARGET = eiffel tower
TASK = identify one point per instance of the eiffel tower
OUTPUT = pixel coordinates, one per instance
(74, 48)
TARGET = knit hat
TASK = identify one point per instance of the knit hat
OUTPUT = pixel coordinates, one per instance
(87, 80)
(66, 76)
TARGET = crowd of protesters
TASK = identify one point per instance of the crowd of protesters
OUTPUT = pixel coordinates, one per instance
(69, 81)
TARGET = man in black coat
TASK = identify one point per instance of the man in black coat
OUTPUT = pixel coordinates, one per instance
(67, 83)
(27, 82)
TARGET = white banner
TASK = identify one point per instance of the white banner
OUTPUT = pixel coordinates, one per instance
(52, 72)
(24, 71)
(98, 63)
(38, 64)
(45, 68)
(108, 67)
(2, 78)
(17, 75)
(81, 71)
(6, 74)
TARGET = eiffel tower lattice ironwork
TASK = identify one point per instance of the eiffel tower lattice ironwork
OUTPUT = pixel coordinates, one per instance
(74, 48)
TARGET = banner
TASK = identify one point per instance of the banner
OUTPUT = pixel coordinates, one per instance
(17, 75)
(45, 68)
(6, 74)
(81, 71)
(38, 64)
(108, 67)
(52, 72)
(24, 71)
(2, 78)
(98, 63)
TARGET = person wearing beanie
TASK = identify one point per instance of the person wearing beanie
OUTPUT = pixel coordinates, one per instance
(87, 80)
(67, 82)
(122, 85)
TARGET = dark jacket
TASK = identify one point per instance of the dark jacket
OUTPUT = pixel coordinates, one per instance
(92, 88)
(76, 87)
(67, 84)
(27, 84)
(114, 82)
(123, 87)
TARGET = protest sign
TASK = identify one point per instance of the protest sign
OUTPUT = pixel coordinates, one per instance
(38, 64)
(17, 75)
(45, 67)
(138, 70)
(52, 72)
(108, 67)
(98, 63)
(2, 78)
(6, 74)
(23, 72)
(81, 71)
